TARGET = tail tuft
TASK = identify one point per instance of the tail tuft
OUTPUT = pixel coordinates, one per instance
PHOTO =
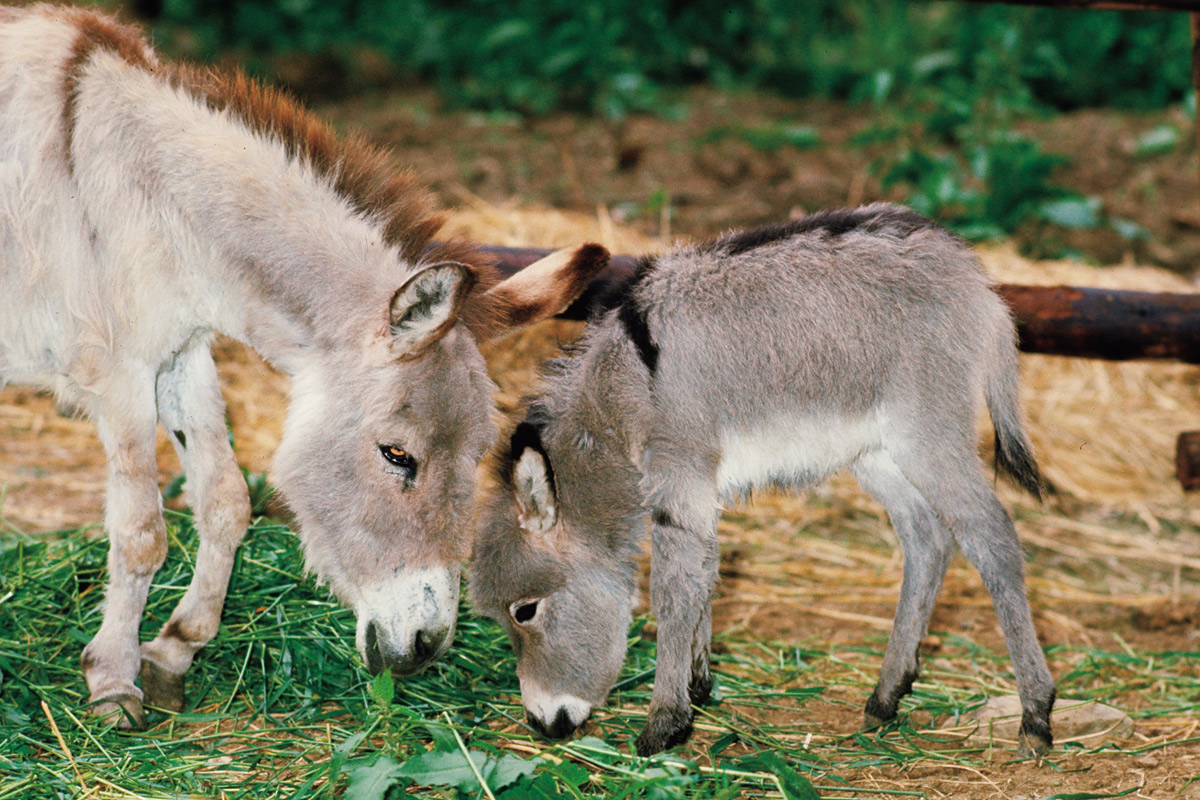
(1015, 460)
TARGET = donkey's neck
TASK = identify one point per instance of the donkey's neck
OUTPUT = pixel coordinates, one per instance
(599, 408)
(266, 250)
(612, 392)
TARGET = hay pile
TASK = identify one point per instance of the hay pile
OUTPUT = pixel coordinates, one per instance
(1104, 432)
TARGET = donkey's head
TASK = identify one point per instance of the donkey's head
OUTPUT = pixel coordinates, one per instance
(382, 442)
(555, 565)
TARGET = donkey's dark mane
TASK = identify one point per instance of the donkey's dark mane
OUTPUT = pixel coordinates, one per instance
(895, 220)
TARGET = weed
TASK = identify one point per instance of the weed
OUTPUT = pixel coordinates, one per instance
(280, 708)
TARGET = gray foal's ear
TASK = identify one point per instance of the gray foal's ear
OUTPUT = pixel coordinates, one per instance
(533, 483)
(426, 307)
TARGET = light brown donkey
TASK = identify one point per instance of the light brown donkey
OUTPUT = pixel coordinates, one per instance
(145, 206)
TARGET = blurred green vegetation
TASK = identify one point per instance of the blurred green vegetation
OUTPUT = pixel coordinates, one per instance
(613, 56)
(948, 82)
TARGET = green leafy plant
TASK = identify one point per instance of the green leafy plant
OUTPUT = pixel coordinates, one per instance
(616, 56)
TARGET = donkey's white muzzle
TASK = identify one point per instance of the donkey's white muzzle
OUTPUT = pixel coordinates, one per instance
(553, 715)
(407, 623)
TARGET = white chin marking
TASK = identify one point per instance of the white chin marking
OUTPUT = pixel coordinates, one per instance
(545, 706)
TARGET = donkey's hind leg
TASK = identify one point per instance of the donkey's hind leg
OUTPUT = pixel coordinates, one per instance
(927, 547)
(137, 547)
(956, 488)
(193, 413)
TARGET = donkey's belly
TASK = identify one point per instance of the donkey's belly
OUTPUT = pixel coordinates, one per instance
(793, 452)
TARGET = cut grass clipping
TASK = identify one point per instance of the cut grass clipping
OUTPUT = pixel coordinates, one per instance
(280, 707)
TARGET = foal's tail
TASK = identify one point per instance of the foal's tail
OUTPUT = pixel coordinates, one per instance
(1014, 454)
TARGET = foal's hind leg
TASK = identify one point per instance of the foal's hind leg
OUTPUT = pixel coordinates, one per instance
(927, 547)
(192, 411)
(956, 488)
(137, 547)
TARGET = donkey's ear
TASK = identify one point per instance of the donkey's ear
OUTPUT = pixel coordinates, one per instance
(544, 288)
(533, 481)
(427, 306)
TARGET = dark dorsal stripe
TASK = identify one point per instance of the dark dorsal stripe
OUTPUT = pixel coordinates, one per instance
(896, 220)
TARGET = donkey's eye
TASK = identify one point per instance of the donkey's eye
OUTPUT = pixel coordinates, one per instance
(399, 457)
(523, 611)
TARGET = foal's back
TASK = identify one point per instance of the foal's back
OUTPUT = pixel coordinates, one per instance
(820, 337)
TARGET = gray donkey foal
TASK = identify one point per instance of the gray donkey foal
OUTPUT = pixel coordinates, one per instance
(851, 338)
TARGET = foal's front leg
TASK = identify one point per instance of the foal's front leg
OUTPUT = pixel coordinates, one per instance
(137, 548)
(683, 572)
(193, 412)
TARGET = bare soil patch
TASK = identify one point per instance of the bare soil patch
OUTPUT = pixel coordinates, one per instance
(1114, 557)
(710, 176)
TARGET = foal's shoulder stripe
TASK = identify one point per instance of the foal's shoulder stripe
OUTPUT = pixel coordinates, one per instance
(632, 314)
(633, 322)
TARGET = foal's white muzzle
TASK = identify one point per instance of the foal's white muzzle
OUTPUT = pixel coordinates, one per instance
(553, 715)
(407, 623)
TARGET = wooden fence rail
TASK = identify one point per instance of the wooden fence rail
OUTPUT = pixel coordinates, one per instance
(1056, 320)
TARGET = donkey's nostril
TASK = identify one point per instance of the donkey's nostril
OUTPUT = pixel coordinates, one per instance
(421, 649)
(427, 644)
(560, 728)
(372, 654)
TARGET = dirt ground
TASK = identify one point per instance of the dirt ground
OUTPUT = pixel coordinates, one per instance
(1115, 558)
(695, 176)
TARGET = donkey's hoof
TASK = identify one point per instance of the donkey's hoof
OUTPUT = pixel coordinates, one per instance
(162, 688)
(1032, 745)
(663, 731)
(871, 722)
(876, 714)
(123, 709)
(700, 689)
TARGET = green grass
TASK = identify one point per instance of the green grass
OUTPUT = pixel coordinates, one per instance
(280, 706)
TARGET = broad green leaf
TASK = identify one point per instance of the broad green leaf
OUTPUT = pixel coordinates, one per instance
(507, 769)
(452, 769)
(384, 687)
(795, 786)
(443, 737)
(371, 781)
(1159, 140)
(343, 751)
(1128, 229)
(1072, 212)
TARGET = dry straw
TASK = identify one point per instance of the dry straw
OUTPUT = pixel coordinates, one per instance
(1104, 433)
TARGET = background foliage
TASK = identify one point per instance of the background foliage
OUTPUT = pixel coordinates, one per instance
(614, 55)
(949, 82)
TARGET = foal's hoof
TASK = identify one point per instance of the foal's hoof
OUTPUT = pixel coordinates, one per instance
(123, 709)
(664, 730)
(161, 688)
(871, 722)
(1033, 745)
(700, 689)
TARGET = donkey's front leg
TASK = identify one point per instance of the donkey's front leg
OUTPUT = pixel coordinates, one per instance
(137, 548)
(193, 412)
(683, 572)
